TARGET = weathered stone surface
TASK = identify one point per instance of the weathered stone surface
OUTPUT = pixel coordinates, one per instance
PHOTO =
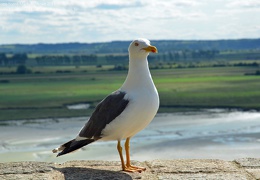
(197, 169)
(192, 166)
(94, 170)
(25, 167)
(251, 165)
(254, 173)
(249, 162)
(207, 176)
(242, 169)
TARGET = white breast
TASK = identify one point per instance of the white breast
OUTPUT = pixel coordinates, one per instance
(140, 111)
(143, 103)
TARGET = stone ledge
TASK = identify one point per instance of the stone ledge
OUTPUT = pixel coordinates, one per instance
(247, 169)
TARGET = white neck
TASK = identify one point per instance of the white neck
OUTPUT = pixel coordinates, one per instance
(139, 76)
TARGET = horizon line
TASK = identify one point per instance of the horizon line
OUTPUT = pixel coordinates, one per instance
(98, 42)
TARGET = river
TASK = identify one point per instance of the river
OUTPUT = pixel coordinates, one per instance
(211, 133)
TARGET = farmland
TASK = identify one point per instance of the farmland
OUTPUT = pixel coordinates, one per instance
(41, 80)
(26, 96)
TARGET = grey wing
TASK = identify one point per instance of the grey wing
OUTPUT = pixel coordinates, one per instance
(106, 111)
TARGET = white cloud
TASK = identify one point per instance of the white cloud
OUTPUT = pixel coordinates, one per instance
(244, 4)
(99, 20)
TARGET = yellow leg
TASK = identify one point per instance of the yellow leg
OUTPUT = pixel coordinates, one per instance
(128, 162)
(127, 152)
(119, 149)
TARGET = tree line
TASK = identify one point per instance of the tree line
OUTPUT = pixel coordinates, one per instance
(163, 46)
(66, 60)
(117, 59)
(186, 55)
(14, 60)
(22, 58)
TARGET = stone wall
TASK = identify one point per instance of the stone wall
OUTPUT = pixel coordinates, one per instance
(247, 168)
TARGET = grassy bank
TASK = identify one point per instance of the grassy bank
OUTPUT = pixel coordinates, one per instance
(46, 95)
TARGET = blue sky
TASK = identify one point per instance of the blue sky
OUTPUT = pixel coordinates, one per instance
(53, 21)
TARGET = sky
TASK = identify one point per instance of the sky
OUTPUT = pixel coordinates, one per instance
(57, 21)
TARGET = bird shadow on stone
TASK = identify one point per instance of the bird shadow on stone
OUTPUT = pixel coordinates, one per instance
(79, 173)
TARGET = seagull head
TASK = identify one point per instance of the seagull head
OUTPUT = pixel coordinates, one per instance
(141, 48)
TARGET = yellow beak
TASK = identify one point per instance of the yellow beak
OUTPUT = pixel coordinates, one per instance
(152, 49)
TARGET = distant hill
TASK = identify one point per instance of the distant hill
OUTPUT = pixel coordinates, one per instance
(121, 46)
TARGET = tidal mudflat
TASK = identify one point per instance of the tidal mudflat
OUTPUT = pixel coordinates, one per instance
(210, 133)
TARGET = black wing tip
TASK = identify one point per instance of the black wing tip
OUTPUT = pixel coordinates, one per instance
(78, 144)
(65, 151)
(60, 154)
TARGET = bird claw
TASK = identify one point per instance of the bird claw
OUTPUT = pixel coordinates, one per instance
(132, 169)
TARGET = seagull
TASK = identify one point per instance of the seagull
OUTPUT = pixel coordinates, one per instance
(125, 112)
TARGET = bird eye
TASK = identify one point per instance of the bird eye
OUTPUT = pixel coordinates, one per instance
(136, 44)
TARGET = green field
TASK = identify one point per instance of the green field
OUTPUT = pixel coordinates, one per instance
(47, 94)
